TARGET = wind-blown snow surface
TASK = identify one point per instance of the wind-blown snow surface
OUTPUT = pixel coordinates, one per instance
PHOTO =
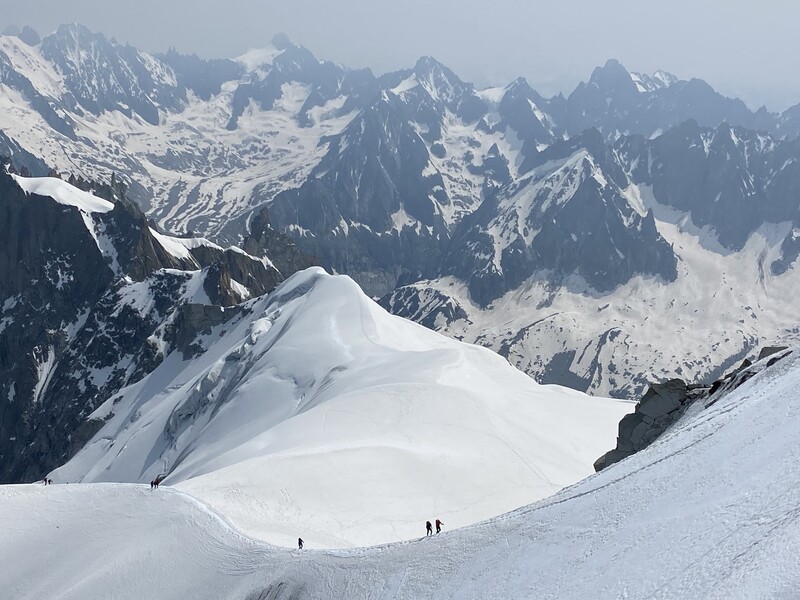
(316, 411)
(708, 511)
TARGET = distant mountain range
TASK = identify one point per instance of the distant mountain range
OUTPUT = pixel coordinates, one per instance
(638, 228)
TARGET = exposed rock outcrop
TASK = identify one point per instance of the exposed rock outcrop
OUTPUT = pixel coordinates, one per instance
(661, 406)
(193, 320)
(665, 403)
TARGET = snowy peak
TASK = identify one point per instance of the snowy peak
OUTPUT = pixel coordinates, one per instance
(102, 76)
(430, 88)
(316, 394)
(439, 81)
(650, 83)
(292, 74)
(526, 113)
(295, 62)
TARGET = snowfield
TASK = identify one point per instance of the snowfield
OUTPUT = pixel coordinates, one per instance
(709, 511)
(315, 411)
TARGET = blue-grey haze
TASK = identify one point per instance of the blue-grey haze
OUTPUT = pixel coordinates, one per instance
(741, 47)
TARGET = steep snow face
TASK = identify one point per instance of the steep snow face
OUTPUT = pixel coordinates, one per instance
(317, 410)
(27, 59)
(707, 511)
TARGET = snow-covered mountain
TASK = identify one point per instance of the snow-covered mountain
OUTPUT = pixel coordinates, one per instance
(604, 268)
(93, 298)
(708, 511)
(416, 176)
(314, 408)
(568, 215)
(204, 145)
(618, 102)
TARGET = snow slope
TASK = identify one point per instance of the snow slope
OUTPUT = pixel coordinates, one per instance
(708, 511)
(315, 409)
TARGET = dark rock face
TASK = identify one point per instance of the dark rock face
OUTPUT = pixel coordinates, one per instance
(665, 403)
(611, 102)
(430, 308)
(50, 270)
(203, 77)
(264, 240)
(790, 251)
(345, 212)
(661, 406)
(517, 111)
(79, 323)
(788, 125)
(746, 371)
(195, 319)
(730, 179)
(30, 36)
(770, 351)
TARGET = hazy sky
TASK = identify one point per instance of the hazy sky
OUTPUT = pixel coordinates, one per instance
(741, 47)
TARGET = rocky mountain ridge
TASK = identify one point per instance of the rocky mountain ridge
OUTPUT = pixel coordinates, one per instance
(93, 298)
(595, 267)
